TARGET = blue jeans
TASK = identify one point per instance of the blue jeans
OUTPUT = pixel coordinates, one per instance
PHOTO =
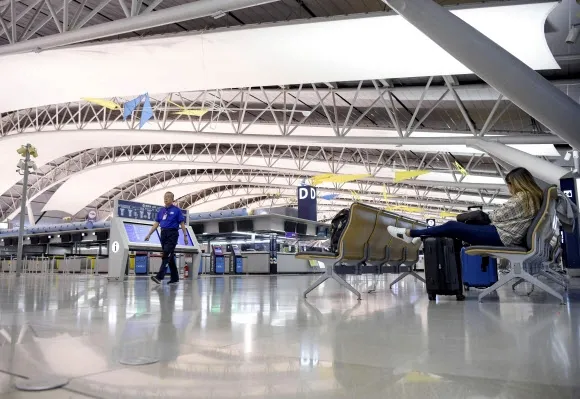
(470, 233)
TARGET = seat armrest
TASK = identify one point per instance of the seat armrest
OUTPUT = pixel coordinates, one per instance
(498, 252)
(316, 254)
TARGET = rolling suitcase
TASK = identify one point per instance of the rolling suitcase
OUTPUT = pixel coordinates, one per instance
(443, 267)
(477, 271)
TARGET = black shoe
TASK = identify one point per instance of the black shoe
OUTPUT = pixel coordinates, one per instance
(173, 282)
(155, 280)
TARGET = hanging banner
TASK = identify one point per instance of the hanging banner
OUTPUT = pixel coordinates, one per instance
(401, 175)
(448, 214)
(334, 178)
(307, 203)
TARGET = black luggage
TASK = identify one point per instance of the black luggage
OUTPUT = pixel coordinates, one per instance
(443, 267)
(336, 228)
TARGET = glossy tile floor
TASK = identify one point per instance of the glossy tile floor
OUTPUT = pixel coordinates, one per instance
(255, 337)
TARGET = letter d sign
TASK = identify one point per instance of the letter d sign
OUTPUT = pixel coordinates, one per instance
(307, 203)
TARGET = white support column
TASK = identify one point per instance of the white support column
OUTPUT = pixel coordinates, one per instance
(501, 70)
(541, 169)
(30, 214)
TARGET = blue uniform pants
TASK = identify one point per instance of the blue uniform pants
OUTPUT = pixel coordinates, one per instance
(168, 243)
(470, 233)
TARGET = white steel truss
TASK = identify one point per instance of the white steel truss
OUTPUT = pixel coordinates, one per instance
(374, 163)
(473, 109)
(437, 107)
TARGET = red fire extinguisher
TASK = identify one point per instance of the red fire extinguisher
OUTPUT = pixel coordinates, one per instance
(186, 271)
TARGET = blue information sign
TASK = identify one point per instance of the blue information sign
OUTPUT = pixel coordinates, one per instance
(139, 211)
(307, 203)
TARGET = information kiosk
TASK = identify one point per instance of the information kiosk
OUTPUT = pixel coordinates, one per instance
(130, 225)
(218, 260)
(236, 260)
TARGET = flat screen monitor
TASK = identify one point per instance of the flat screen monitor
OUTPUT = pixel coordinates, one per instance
(102, 235)
(245, 225)
(137, 232)
(236, 250)
(44, 239)
(198, 228)
(217, 251)
(180, 239)
(34, 240)
(289, 227)
(65, 238)
(77, 237)
(301, 228)
(226, 227)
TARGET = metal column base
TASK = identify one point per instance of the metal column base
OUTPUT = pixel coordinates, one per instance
(518, 273)
(405, 274)
(44, 383)
(139, 361)
(550, 276)
(330, 274)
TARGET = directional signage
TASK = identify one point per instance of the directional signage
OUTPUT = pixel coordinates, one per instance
(139, 211)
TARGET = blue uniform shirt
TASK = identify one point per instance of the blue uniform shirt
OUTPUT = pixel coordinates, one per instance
(170, 218)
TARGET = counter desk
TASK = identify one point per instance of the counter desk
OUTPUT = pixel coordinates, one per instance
(258, 262)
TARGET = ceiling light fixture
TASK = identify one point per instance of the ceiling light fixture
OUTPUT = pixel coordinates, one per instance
(218, 14)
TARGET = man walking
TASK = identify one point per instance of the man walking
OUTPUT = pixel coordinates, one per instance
(171, 219)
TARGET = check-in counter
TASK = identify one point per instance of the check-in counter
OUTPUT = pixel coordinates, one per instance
(288, 263)
(205, 263)
(102, 265)
(154, 263)
(70, 265)
(256, 262)
(6, 265)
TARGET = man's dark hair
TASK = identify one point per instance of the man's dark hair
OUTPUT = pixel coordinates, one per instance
(172, 195)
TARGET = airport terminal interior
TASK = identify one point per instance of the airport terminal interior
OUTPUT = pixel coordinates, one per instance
(288, 146)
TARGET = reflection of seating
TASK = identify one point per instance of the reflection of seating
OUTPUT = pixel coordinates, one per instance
(352, 246)
(528, 262)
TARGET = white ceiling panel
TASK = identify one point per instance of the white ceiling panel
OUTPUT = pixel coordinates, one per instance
(267, 55)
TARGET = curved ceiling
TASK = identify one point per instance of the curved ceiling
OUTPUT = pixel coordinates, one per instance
(83, 187)
(284, 199)
(180, 189)
(270, 55)
(56, 144)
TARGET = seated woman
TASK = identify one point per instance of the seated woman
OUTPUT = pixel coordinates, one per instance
(509, 223)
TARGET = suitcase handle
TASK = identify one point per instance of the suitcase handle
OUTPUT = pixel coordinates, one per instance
(484, 263)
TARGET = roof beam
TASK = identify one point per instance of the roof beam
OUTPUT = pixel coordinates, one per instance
(184, 12)
(496, 66)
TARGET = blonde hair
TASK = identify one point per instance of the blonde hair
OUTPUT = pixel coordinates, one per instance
(522, 181)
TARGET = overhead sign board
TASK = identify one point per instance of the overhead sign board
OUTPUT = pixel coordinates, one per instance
(139, 211)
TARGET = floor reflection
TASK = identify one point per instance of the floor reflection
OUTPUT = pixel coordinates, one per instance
(257, 336)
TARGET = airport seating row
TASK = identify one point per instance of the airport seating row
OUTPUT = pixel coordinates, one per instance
(365, 242)
(526, 263)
